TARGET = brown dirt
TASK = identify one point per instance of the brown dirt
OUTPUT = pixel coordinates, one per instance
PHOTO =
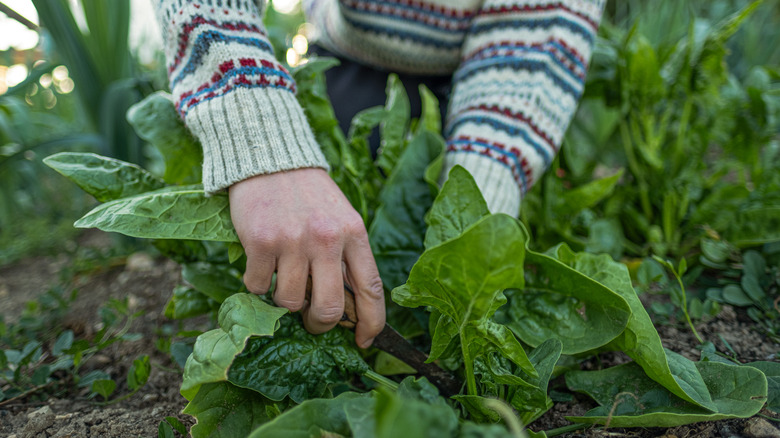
(147, 284)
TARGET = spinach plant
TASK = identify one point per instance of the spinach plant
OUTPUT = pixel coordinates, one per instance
(464, 285)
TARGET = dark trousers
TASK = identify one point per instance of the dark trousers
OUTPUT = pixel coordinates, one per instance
(353, 87)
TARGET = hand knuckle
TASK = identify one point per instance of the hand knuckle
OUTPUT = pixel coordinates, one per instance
(354, 225)
(325, 233)
(255, 286)
(261, 238)
(292, 305)
(328, 315)
(374, 289)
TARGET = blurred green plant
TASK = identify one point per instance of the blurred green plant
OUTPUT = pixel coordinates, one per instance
(38, 118)
(696, 144)
(38, 357)
(100, 62)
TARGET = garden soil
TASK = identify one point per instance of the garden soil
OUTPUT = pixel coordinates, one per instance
(147, 284)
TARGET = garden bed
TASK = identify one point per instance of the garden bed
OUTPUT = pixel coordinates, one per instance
(147, 283)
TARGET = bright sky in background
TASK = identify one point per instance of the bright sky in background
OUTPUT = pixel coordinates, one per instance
(144, 34)
(12, 33)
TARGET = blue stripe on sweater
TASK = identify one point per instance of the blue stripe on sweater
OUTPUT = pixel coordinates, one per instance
(235, 87)
(253, 71)
(508, 154)
(204, 42)
(502, 60)
(521, 22)
(416, 37)
(521, 47)
(466, 71)
(408, 8)
(501, 126)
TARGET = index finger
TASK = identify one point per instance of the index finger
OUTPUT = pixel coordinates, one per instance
(363, 277)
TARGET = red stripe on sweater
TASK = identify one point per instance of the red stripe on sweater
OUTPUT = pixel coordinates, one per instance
(419, 16)
(497, 156)
(516, 116)
(543, 45)
(497, 10)
(199, 20)
(427, 7)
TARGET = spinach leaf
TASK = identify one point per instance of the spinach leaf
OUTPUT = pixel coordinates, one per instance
(313, 97)
(458, 205)
(415, 409)
(397, 414)
(316, 417)
(394, 126)
(180, 212)
(296, 363)
(104, 178)
(772, 372)
(430, 118)
(464, 279)
(217, 282)
(640, 340)
(560, 301)
(526, 394)
(397, 231)
(223, 410)
(187, 303)
(628, 398)
(156, 121)
(240, 317)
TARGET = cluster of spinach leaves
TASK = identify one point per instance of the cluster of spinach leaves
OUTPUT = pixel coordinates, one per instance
(680, 149)
(466, 286)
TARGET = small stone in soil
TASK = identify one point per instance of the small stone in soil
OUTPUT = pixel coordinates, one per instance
(40, 420)
(760, 428)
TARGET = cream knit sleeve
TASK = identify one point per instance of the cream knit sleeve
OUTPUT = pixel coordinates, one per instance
(232, 94)
(521, 75)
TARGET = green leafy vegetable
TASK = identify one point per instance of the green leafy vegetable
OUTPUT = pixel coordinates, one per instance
(296, 363)
(562, 301)
(225, 411)
(240, 317)
(398, 229)
(458, 205)
(217, 282)
(628, 398)
(316, 417)
(180, 212)
(393, 127)
(156, 121)
(464, 279)
(104, 178)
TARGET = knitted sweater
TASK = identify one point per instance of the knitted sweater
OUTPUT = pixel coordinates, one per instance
(518, 69)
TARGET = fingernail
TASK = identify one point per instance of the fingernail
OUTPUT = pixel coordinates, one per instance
(367, 343)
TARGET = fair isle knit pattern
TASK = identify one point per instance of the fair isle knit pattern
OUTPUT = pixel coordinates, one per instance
(518, 70)
(232, 93)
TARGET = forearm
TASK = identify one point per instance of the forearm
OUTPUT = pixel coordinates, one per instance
(232, 94)
(516, 90)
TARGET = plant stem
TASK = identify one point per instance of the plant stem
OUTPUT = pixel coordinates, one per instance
(506, 412)
(685, 309)
(380, 379)
(471, 381)
(565, 429)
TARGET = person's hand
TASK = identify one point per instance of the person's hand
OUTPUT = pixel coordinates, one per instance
(298, 223)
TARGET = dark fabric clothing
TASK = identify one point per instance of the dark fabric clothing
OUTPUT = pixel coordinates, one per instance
(353, 87)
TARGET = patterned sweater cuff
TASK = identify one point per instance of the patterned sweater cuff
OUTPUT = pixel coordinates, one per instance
(250, 132)
(493, 178)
